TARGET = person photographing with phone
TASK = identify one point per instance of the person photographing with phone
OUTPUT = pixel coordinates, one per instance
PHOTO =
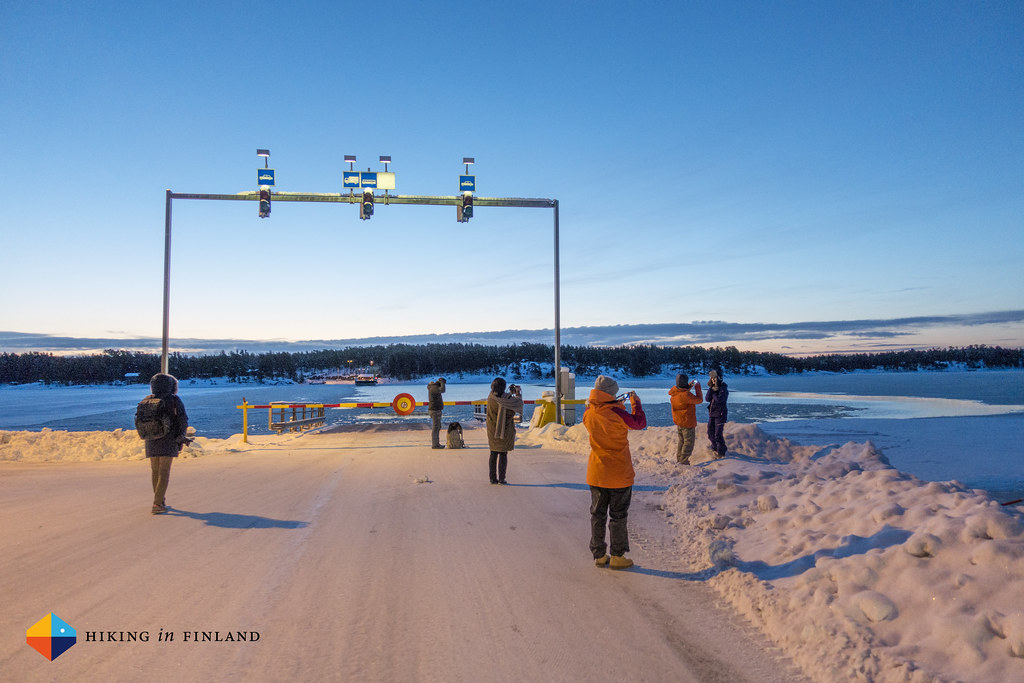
(684, 397)
(610, 473)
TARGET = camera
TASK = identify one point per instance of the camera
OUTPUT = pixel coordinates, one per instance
(514, 388)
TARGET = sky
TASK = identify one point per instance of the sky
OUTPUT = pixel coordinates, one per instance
(731, 163)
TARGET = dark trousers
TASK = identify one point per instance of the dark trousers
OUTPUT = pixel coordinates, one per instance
(609, 507)
(435, 428)
(716, 436)
(499, 460)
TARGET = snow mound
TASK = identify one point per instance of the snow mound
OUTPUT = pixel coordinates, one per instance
(856, 570)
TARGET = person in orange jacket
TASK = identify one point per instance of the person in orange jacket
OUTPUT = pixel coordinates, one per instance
(684, 413)
(610, 469)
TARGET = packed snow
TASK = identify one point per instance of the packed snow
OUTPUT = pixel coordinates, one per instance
(855, 570)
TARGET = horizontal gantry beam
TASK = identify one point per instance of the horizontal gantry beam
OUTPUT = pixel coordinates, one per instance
(385, 199)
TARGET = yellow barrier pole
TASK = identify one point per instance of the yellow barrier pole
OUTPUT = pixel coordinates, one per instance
(245, 421)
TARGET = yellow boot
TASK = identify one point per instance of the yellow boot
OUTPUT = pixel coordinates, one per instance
(620, 562)
(601, 561)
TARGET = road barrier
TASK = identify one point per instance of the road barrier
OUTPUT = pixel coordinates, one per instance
(309, 415)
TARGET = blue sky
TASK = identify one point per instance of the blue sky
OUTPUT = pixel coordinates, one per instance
(750, 163)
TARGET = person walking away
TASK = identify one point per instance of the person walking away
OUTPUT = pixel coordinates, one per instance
(501, 427)
(162, 422)
(610, 472)
(684, 397)
(435, 405)
(718, 412)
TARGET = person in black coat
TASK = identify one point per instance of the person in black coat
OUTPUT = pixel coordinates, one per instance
(161, 452)
(717, 397)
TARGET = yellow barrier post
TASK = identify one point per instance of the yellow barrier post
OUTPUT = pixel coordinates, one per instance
(245, 421)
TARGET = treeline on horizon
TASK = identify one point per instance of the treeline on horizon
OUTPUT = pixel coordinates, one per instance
(520, 361)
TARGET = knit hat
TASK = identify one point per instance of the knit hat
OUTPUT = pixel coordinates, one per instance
(682, 381)
(607, 385)
(714, 375)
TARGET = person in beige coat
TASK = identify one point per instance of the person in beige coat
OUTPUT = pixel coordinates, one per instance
(501, 428)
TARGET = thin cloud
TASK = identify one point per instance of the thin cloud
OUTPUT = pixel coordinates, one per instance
(710, 332)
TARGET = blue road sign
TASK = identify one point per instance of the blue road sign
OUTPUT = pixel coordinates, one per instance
(368, 179)
(265, 176)
(467, 183)
(350, 178)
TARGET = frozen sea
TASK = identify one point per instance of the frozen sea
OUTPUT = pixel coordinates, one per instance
(955, 425)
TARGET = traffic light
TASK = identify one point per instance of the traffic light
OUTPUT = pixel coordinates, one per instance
(467, 206)
(264, 202)
(366, 208)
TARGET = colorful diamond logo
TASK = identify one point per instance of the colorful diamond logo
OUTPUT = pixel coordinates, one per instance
(51, 636)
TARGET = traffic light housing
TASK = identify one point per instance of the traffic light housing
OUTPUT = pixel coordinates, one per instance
(467, 207)
(264, 202)
(366, 207)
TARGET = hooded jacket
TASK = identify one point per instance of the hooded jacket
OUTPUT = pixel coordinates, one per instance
(166, 387)
(684, 405)
(610, 464)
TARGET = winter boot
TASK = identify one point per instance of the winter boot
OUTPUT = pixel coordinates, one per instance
(620, 562)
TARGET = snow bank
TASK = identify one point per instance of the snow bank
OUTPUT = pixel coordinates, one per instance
(48, 445)
(856, 570)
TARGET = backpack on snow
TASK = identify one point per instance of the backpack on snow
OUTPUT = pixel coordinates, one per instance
(154, 418)
(455, 436)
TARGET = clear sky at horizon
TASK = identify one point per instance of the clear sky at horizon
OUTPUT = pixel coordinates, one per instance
(748, 162)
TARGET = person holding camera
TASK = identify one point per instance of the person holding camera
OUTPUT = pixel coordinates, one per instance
(684, 397)
(435, 406)
(162, 451)
(502, 407)
(718, 412)
(610, 472)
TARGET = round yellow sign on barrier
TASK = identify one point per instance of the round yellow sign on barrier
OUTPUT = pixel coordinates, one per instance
(404, 404)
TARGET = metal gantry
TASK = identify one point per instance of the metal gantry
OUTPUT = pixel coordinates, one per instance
(354, 198)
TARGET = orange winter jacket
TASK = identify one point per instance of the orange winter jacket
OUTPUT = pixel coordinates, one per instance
(684, 405)
(610, 464)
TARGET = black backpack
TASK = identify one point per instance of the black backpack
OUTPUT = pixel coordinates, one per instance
(154, 418)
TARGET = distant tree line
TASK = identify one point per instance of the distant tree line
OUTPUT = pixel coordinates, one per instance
(520, 361)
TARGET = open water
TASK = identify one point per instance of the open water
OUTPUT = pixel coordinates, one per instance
(961, 425)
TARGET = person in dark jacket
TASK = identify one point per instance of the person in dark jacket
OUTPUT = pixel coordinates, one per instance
(502, 407)
(161, 452)
(435, 405)
(718, 412)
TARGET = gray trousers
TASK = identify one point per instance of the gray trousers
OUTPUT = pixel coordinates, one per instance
(609, 507)
(684, 449)
(435, 428)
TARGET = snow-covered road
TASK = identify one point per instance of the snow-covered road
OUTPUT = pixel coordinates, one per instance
(353, 557)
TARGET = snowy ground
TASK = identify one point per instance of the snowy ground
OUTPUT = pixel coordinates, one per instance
(333, 550)
(355, 557)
